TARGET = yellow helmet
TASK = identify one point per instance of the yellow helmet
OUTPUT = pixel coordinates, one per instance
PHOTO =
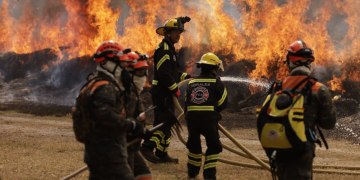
(173, 23)
(210, 59)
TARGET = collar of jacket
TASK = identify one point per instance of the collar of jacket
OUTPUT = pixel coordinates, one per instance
(103, 72)
(207, 74)
(170, 45)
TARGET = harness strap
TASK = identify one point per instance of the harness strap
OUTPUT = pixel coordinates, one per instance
(273, 169)
(98, 78)
(302, 81)
(278, 87)
(322, 136)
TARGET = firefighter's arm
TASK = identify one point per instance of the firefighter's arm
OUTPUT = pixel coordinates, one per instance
(103, 102)
(163, 67)
(131, 103)
(221, 95)
(140, 108)
(184, 76)
(327, 114)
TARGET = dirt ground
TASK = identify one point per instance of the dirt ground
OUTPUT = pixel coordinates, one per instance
(44, 147)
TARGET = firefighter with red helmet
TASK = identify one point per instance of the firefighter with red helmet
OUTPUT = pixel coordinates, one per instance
(205, 98)
(134, 107)
(105, 152)
(319, 110)
(164, 87)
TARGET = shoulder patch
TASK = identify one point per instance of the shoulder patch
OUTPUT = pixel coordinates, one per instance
(99, 83)
(316, 86)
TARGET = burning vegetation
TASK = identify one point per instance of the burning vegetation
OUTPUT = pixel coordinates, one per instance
(46, 45)
(253, 30)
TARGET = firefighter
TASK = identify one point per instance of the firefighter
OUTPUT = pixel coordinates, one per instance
(138, 71)
(105, 153)
(164, 87)
(319, 110)
(205, 98)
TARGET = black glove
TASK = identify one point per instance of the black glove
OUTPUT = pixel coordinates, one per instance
(136, 128)
(187, 19)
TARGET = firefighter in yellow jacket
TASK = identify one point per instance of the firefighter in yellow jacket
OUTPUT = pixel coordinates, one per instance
(205, 98)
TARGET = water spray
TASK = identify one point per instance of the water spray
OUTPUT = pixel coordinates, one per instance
(264, 84)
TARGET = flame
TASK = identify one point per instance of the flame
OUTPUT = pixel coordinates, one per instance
(336, 84)
(45, 66)
(255, 30)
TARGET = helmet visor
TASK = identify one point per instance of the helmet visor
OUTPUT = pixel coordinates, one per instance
(141, 72)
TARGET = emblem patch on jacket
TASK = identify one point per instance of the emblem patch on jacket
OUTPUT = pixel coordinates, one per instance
(273, 134)
(174, 58)
(199, 95)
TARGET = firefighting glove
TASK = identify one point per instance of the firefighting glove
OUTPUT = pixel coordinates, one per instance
(137, 130)
(177, 94)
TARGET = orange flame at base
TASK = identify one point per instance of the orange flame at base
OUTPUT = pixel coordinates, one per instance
(336, 84)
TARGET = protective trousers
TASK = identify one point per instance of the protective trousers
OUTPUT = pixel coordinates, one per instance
(138, 165)
(300, 168)
(161, 139)
(209, 129)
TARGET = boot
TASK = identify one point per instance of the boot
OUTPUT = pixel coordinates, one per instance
(150, 156)
(168, 159)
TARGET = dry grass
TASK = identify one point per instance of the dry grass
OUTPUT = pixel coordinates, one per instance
(34, 147)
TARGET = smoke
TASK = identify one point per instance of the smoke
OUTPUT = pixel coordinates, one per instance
(322, 73)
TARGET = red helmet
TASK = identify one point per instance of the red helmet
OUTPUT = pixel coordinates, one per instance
(111, 50)
(140, 64)
(141, 60)
(299, 50)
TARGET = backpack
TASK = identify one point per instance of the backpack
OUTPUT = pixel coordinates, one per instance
(81, 113)
(280, 121)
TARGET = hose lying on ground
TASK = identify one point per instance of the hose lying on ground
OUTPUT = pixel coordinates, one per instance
(247, 153)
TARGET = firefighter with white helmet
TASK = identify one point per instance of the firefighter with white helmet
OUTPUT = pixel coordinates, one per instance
(164, 87)
(205, 98)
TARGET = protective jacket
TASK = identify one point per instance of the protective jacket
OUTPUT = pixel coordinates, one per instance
(166, 70)
(319, 109)
(134, 105)
(205, 96)
(108, 130)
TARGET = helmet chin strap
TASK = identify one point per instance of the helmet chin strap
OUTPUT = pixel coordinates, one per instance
(168, 34)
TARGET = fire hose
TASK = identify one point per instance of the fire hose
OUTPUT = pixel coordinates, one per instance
(262, 162)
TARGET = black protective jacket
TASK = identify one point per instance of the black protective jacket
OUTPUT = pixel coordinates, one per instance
(205, 97)
(166, 70)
